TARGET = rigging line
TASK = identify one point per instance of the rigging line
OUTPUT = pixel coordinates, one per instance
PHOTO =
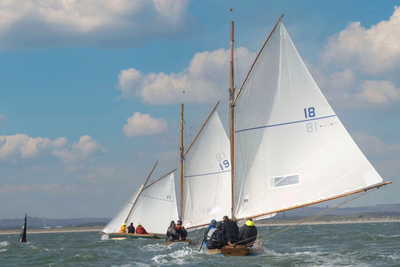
(248, 47)
(167, 200)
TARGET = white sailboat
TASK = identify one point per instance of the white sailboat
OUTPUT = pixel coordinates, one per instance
(154, 206)
(207, 171)
(288, 147)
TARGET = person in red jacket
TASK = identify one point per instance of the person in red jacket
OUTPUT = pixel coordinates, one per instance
(140, 229)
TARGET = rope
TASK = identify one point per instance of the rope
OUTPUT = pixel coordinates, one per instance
(310, 218)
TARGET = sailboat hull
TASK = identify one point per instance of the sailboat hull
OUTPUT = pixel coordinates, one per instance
(181, 242)
(120, 236)
(238, 250)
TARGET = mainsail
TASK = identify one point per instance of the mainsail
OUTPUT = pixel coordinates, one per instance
(207, 171)
(154, 206)
(290, 147)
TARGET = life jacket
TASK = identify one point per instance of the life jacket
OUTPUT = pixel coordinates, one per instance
(140, 230)
(210, 233)
(123, 229)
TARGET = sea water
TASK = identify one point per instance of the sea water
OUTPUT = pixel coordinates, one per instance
(356, 244)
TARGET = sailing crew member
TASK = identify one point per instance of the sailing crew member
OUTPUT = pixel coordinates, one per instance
(230, 230)
(181, 230)
(214, 236)
(140, 229)
(131, 229)
(123, 228)
(171, 233)
(248, 233)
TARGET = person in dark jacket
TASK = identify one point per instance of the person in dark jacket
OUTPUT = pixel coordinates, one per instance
(131, 229)
(230, 231)
(171, 233)
(140, 229)
(214, 236)
(248, 233)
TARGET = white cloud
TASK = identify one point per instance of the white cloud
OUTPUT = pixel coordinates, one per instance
(371, 51)
(22, 145)
(345, 89)
(50, 189)
(101, 173)
(103, 23)
(379, 92)
(143, 125)
(80, 151)
(3, 119)
(205, 80)
(372, 145)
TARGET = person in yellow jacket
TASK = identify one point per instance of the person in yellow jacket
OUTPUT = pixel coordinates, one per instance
(123, 229)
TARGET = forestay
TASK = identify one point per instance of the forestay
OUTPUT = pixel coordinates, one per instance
(290, 147)
(207, 186)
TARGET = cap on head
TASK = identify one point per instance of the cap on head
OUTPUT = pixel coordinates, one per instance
(124, 224)
(138, 224)
(219, 224)
(213, 221)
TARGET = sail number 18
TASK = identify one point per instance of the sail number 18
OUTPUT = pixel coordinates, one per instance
(309, 112)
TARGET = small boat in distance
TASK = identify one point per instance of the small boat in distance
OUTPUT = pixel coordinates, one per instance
(154, 206)
(22, 237)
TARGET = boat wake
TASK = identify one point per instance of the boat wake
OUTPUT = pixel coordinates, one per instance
(104, 237)
(155, 247)
(4, 244)
(181, 256)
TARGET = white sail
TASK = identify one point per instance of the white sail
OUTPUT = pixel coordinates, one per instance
(115, 224)
(290, 147)
(156, 206)
(207, 184)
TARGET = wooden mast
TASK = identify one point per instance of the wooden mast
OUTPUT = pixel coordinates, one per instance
(181, 150)
(232, 128)
(141, 190)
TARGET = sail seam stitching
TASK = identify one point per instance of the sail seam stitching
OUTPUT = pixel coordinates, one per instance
(281, 124)
(187, 176)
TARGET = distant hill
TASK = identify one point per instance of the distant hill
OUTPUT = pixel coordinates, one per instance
(36, 223)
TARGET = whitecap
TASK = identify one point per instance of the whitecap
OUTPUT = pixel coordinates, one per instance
(155, 247)
(177, 257)
(4, 244)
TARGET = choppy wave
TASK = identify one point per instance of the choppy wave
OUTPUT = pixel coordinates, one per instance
(317, 245)
(179, 257)
(4, 244)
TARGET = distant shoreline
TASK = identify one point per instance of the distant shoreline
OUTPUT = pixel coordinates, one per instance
(273, 223)
(51, 230)
(286, 222)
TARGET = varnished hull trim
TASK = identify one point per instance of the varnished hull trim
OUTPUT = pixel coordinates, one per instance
(118, 236)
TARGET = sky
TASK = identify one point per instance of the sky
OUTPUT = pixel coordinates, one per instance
(90, 91)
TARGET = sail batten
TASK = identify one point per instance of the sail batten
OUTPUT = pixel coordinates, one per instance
(290, 147)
